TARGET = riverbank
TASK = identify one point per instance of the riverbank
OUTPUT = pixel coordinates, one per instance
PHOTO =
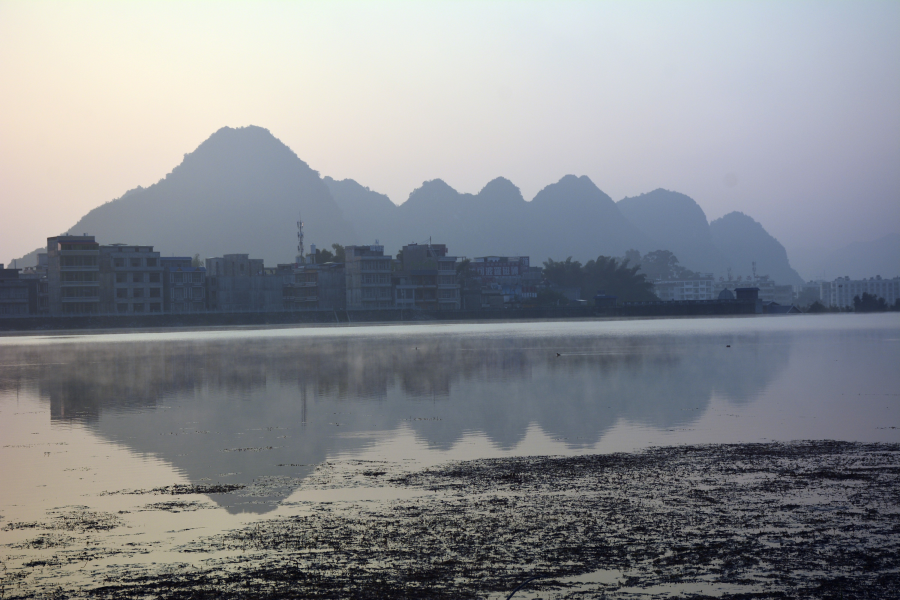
(801, 520)
(262, 319)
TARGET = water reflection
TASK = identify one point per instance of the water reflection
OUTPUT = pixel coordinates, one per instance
(234, 410)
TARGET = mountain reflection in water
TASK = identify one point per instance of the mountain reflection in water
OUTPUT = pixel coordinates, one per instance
(233, 410)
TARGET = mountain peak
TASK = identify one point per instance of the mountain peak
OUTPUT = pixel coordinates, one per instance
(501, 190)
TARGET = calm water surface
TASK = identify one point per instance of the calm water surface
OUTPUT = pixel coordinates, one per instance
(85, 417)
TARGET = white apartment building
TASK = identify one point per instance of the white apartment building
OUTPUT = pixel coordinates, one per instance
(698, 288)
(841, 291)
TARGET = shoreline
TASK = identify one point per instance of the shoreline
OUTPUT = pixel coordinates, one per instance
(811, 519)
(128, 325)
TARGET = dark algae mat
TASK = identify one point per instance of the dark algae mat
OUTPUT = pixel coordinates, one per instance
(801, 520)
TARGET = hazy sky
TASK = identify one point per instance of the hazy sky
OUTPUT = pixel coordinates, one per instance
(789, 112)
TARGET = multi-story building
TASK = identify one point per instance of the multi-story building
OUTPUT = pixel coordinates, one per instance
(841, 291)
(234, 265)
(184, 285)
(73, 275)
(513, 276)
(18, 296)
(131, 279)
(426, 278)
(702, 287)
(317, 287)
(367, 275)
(238, 283)
(39, 273)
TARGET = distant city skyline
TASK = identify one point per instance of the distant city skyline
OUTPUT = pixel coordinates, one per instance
(787, 112)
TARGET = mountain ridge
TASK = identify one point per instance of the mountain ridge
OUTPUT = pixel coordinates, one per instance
(242, 189)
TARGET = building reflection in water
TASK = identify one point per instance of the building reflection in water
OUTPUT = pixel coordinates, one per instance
(234, 409)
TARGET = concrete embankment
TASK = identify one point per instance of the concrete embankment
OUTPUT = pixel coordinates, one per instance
(212, 319)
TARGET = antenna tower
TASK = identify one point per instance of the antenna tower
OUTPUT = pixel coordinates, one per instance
(754, 270)
(300, 259)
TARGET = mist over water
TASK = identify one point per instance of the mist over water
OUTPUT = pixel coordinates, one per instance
(237, 406)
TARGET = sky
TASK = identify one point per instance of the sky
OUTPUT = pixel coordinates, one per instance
(786, 111)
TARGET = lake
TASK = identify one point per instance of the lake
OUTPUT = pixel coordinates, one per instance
(92, 423)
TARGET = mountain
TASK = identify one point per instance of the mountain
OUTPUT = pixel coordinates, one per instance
(572, 217)
(366, 210)
(240, 191)
(744, 241)
(675, 222)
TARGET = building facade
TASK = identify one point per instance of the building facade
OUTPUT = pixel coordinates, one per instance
(131, 279)
(367, 276)
(695, 288)
(841, 291)
(426, 278)
(18, 296)
(73, 275)
(238, 283)
(184, 285)
(317, 287)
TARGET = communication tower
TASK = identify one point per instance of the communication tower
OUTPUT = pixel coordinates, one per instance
(754, 270)
(300, 259)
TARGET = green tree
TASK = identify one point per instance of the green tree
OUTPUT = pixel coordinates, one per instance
(462, 271)
(196, 261)
(565, 273)
(662, 264)
(339, 254)
(869, 303)
(817, 307)
(603, 274)
(324, 256)
(616, 278)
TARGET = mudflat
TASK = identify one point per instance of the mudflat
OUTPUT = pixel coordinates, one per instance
(774, 520)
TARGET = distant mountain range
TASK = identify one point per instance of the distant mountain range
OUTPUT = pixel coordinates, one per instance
(241, 191)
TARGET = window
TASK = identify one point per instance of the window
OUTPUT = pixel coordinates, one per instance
(121, 292)
(151, 262)
(198, 293)
(137, 277)
(118, 262)
(155, 293)
(178, 277)
(155, 307)
(196, 277)
(154, 277)
(198, 306)
(122, 308)
(135, 262)
(179, 293)
(79, 276)
(138, 308)
(78, 261)
(138, 292)
(121, 278)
